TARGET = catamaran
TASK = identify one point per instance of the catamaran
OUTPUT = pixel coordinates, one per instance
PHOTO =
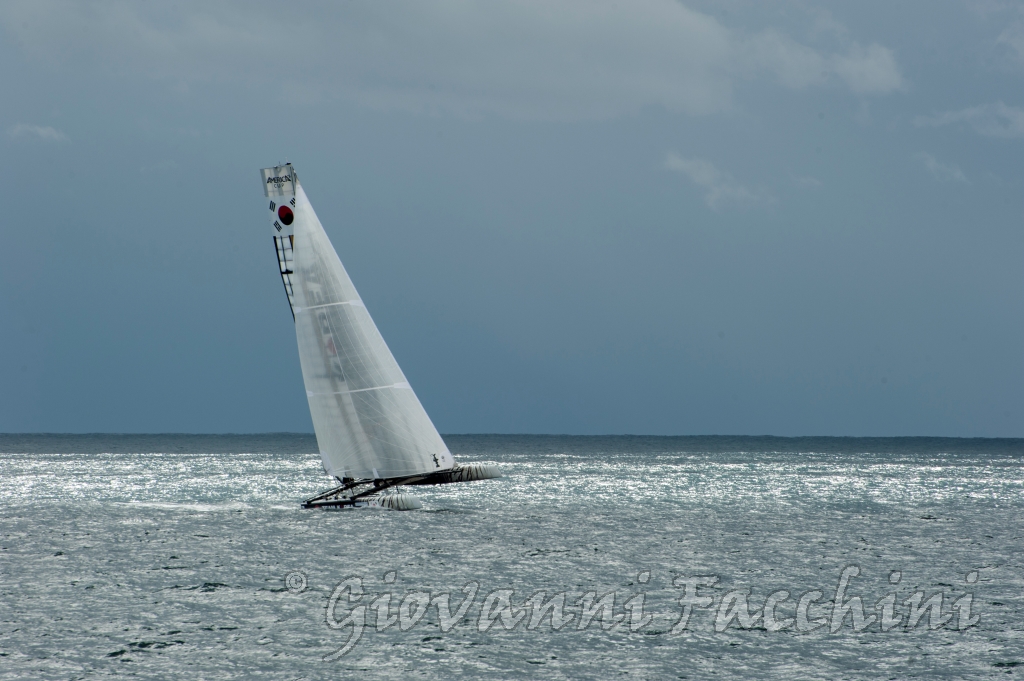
(373, 434)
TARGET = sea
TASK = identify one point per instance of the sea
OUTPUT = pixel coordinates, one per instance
(189, 557)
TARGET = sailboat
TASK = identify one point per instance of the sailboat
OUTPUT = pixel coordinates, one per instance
(373, 434)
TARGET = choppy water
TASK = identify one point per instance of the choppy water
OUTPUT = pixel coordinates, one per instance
(169, 557)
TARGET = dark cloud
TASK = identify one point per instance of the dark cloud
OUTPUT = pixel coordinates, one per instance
(648, 217)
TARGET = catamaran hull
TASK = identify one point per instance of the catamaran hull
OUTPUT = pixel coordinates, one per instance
(466, 472)
(367, 493)
(392, 502)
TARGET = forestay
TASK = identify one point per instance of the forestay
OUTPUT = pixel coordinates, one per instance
(369, 423)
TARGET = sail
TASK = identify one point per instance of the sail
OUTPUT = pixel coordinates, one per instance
(369, 423)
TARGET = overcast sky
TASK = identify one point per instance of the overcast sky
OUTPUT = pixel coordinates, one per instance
(642, 216)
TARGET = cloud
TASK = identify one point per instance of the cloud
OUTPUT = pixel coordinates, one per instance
(868, 70)
(516, 58)
(991, 120)
(808, 182)
(1013, 37)
(45, 133)
(943, 172)
(864, 70)
(719, 186)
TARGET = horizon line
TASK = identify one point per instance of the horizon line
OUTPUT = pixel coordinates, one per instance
(493, 434)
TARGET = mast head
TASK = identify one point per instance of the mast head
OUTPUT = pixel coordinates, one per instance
(280, 180)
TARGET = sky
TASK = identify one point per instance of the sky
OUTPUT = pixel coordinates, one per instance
(648, 217)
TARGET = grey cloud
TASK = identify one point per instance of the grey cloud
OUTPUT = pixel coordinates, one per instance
(864, 70)
(943, 172)
(1013, 38)
(868, 70)
(45, 133)
(991, 120)
(719, 187)
(528, 59)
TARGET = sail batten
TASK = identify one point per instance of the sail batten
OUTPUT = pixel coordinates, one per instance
(357, 303)
(397, 386)
(368, 420)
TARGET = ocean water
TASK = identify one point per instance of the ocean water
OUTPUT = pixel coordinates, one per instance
(188, 557)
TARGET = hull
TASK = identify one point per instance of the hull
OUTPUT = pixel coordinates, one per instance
(393, 502)
(368, 493)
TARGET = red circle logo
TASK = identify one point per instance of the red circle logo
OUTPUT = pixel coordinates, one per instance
(286, 214)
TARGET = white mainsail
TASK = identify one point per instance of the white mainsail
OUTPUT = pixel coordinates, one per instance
(369, 423)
